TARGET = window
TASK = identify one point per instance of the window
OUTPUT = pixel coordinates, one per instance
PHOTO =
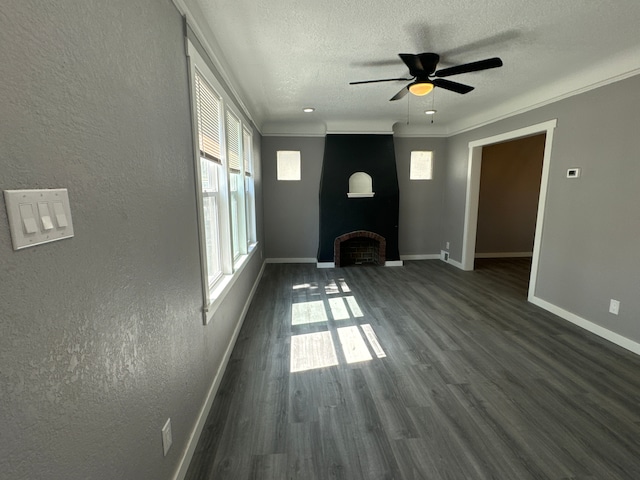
(236, 187)
(224, 176)
(421, 165)
(208, 123)
(288, 165)
(249, 186)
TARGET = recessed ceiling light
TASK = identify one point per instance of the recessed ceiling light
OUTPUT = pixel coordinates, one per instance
(308, 109)
(430, 112)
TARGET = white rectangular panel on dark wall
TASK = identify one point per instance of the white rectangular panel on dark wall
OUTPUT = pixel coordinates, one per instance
(38, 216)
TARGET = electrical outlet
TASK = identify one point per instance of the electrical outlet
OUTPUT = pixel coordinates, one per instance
(614, 306)
(166, 437)
(447, 245)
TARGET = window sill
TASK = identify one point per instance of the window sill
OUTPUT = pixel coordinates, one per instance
(225, 284)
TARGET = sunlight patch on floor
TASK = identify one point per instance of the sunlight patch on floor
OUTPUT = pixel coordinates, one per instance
(338, 309)
(353, 305)
(373, 340)
(343, 285)
(306, 286)
(311, 351)
(332, 288)
(305, 313)
(353, 345)
(348, 343)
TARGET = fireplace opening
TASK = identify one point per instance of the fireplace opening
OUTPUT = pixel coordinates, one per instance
(359, 248)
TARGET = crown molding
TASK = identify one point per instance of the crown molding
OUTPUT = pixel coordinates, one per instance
(622, 66)
(215, 54)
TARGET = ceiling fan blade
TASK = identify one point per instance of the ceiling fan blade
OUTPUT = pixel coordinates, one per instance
(470, 67)
(413, 62)
(400, 94)
(382, 80)
(453, 86)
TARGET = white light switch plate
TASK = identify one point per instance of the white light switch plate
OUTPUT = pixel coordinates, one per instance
(38, 216)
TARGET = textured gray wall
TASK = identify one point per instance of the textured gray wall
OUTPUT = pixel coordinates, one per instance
(102, 336)
(292, 208)
(509, 192)
(419, 230)
(592, 225)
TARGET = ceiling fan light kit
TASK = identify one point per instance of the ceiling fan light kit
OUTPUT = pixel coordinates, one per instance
(424, 76)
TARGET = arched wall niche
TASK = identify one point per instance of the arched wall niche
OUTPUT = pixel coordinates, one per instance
(360, 185)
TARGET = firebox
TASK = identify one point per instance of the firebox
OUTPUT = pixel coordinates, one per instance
(359, 248)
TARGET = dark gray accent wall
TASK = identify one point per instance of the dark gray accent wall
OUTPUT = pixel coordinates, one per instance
(419, 230)
(345, 155)
(508, 199)
(589, 248)
(102, 336)
(291, 208)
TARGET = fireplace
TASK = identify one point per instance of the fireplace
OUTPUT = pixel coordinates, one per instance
(359, 248)
(359, 197)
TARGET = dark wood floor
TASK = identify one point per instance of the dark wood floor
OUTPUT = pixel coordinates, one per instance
(419, 372)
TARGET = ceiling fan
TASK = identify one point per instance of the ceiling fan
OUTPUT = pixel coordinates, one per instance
(424, 76)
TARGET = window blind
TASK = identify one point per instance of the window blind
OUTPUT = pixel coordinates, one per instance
(208, 117)
(233, 143)
(246, 152)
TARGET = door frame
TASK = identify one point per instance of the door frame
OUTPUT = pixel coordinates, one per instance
(473, 193)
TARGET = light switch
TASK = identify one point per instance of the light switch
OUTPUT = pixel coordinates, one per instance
(45, 216)
(28, 218)
(38, 216)
(61, 218)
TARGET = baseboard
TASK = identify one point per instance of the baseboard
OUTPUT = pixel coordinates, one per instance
(211, 395)
(455, 263)
(594, 328)
(326, 265)
(291, 260)
(429, 256)
(504, 255)
(393, 263)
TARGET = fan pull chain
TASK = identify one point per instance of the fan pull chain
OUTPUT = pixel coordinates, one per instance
(433, 104)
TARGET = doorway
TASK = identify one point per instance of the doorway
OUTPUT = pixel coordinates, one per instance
(473, 193)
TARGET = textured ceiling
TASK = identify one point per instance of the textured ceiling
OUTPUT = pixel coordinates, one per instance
(283, 55)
